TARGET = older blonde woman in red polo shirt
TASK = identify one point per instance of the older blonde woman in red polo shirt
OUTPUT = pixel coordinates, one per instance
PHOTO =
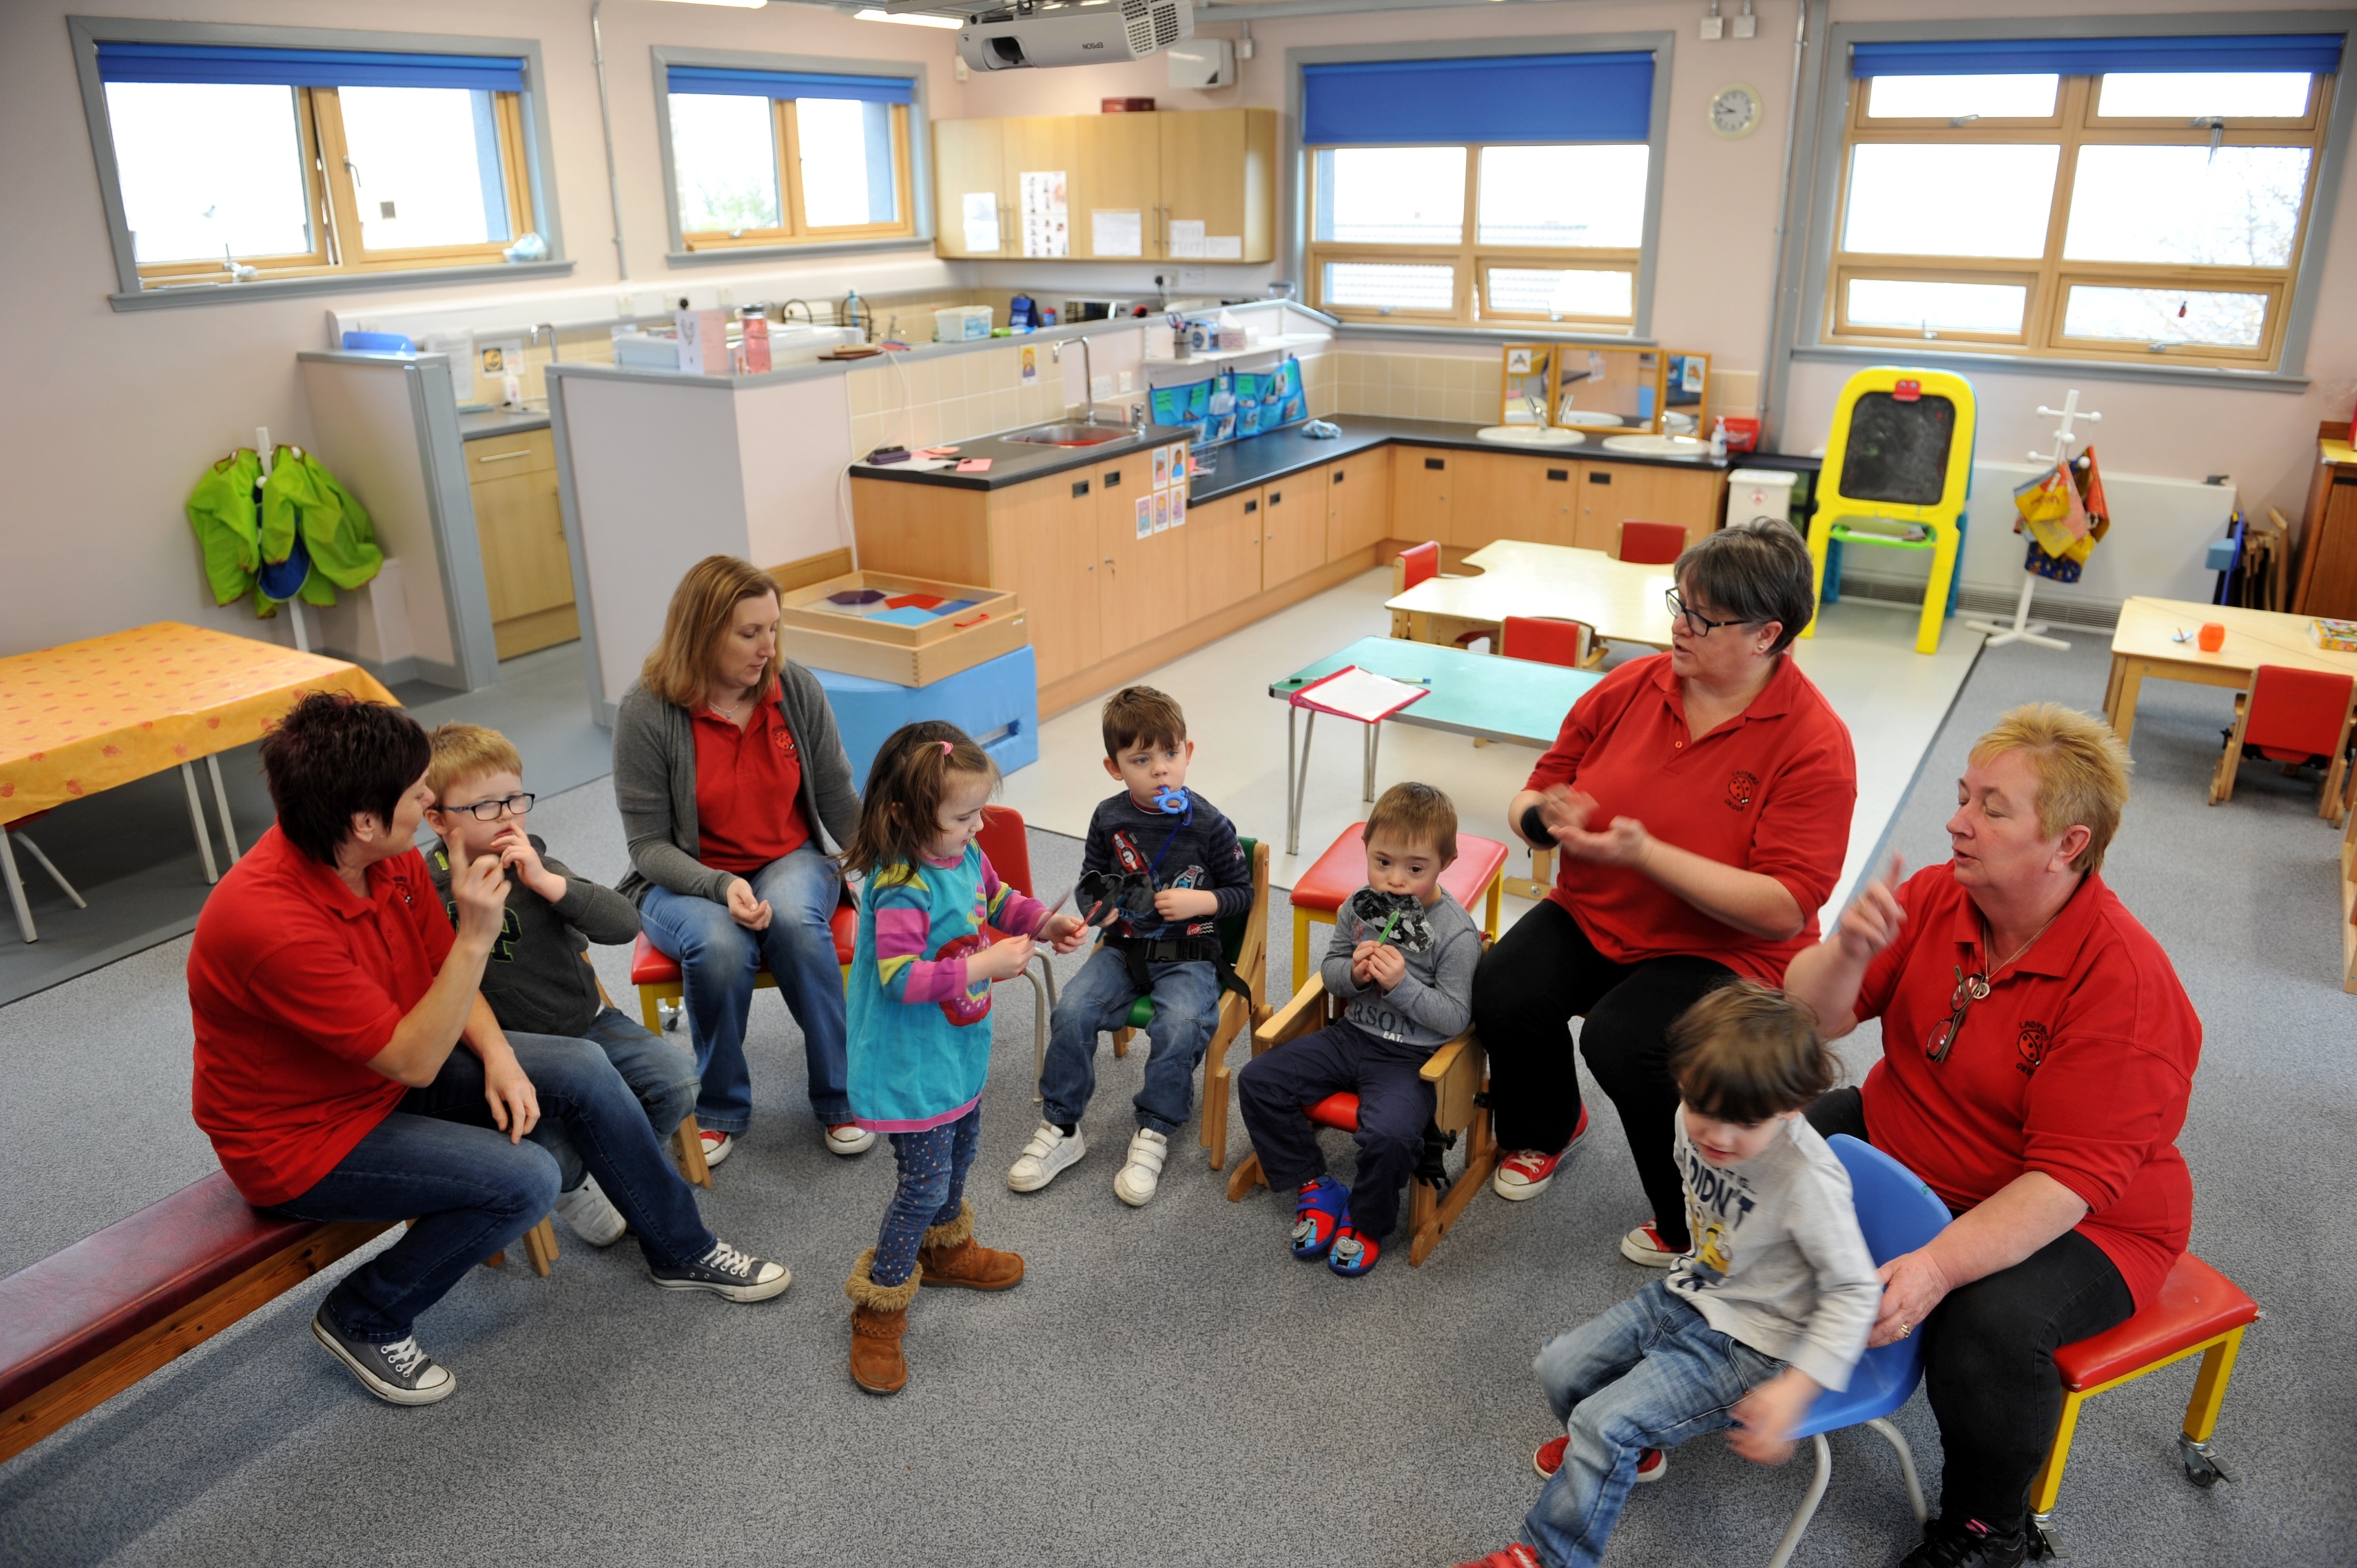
(1701, 800)
(2038, 1052)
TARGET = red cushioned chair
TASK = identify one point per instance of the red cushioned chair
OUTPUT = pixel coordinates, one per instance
(656, 974)
(1651, 544)
(1545, 639)
(1417, 563)
(2199, 1312)
(1475, 876)
(2292, 717)
(1458, 1072)
(1008, 849)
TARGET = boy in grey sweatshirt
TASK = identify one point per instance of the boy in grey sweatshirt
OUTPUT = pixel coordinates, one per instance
(1770, 1307)
(1401, 957)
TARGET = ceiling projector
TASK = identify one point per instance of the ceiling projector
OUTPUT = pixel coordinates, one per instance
(1074, 34)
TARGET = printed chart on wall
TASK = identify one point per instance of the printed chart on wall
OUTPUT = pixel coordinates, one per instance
(1189, 243)
(1117, 233)
(1045, 225)
(1165, 507)
(981, 209)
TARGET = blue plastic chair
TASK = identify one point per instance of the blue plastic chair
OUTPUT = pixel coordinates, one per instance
(1897, 1213)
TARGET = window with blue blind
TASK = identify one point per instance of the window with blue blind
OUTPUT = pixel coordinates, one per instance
(2135, 198)
(761, 157)
(1490, 189)
(249, 162)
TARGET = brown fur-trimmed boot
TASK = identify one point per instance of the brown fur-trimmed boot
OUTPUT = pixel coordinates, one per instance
(950, 1256)
(880, 1316)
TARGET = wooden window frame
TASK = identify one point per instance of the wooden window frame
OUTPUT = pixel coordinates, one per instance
(2074, 125)
(331, 196)
(1471, 261)
(786, 148)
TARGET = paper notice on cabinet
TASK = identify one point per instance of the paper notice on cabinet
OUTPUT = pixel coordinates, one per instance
(1186, 239)
(1161, 510)
(1177, 508)
(1146, 517)
(1117, 233)
(1046, 223)
(1224, 248)
(981, 219)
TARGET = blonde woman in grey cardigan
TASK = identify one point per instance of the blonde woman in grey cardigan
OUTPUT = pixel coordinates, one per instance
(727, 769)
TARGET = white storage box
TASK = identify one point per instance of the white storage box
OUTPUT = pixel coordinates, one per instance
(960, 322)
(1759, 492)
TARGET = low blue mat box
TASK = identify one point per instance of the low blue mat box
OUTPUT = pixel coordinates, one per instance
(916, 632)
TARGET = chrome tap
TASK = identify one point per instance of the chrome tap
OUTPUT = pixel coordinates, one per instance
(785, 311)
(1087, 374)
(549, 328)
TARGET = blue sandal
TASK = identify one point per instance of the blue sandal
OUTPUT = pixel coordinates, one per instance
(1322, 1212)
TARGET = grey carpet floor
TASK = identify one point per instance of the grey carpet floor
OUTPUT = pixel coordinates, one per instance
(1167, 1386)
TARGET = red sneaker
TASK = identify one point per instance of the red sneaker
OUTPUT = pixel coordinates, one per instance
(1526, 1172)
(1644, 1245)
(718, 1146)
(1514, 1556)
(1652, 1463)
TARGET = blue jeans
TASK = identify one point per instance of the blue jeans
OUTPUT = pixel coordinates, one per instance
(661, 1074)
(1648, 1374)
(437, 1158)
(719, 958)
(1186, 1008)
(931, 1188)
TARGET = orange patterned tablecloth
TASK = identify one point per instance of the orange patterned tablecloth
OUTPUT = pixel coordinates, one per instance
(86, 716)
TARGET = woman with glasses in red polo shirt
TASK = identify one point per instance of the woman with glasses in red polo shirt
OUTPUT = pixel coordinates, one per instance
(2038, 1053)
(1700, 800)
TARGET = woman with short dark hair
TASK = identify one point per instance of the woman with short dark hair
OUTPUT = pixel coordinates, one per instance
(1700, 800)
(329, 998)
(726, 768)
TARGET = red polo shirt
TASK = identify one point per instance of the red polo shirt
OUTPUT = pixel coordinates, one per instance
(747, 790)
(1769, 792)
(295, 982)
(2077, 1063)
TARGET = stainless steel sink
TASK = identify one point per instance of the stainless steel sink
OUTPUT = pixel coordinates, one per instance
(1071, 435)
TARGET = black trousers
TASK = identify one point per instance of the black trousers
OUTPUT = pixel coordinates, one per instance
(1542, 974)
(1988, 1356)
(1275, 1088)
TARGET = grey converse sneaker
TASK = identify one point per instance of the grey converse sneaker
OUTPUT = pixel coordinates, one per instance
(1141, 1174)
(1050, 1150)
(398, 1373)
(725, 1270)
(587, 1213)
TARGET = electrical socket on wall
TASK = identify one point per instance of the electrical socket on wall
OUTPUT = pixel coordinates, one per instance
(1746, 25)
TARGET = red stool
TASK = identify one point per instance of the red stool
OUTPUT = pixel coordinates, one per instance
(2199, 1312)
(1476, 875)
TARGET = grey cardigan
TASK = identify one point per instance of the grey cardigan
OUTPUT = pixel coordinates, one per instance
(654, 784)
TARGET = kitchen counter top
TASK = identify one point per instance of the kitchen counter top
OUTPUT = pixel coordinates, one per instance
(487, 422)
(1240, 465)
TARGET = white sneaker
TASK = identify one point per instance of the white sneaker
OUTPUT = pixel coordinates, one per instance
(1049, 1151)
(718, 1146)
(1142, 1173)
(590, 1216)
(847, 1138)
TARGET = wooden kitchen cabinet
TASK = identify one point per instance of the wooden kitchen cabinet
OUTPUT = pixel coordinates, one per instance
(970, 158)
(1358, 503)
(1119, 169)
(1141, 583)
(1421, 483)
(1293, 526)
(1612, 493)
(1218, 169)
(1509, 496)
(520, 529)
(1043, 547)
(1222, 547)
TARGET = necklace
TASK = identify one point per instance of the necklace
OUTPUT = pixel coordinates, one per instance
(1972, 988)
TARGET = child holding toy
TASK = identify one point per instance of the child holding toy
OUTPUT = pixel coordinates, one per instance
(1160, 867)
(919, 1047)
(1402, 958)
(1768, 1308)
(536, 980)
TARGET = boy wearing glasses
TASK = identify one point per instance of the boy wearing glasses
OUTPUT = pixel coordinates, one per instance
(537, 983)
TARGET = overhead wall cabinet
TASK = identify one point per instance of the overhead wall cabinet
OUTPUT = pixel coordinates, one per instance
(1193, 184)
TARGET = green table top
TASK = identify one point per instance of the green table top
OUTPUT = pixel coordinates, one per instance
(1472, 693)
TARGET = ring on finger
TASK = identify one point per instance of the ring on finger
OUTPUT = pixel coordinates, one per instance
(1905, 1328)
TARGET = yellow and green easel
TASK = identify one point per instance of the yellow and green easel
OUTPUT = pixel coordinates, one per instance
(1901, 452)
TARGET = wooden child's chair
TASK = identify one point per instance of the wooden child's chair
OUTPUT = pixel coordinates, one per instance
(1458, 1073)
(1550, 639)
(1008, 849)
(1650, 543)
(2292, 717)
(1244, 940)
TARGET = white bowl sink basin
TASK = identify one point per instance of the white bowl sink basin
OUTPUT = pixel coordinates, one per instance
(1594, 419)
(1529, 435)
(1658, 446)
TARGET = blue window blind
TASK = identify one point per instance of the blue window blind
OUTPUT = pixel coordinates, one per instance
(1493, 98)
(306, 68)
(2316, 53)
(791, 84)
